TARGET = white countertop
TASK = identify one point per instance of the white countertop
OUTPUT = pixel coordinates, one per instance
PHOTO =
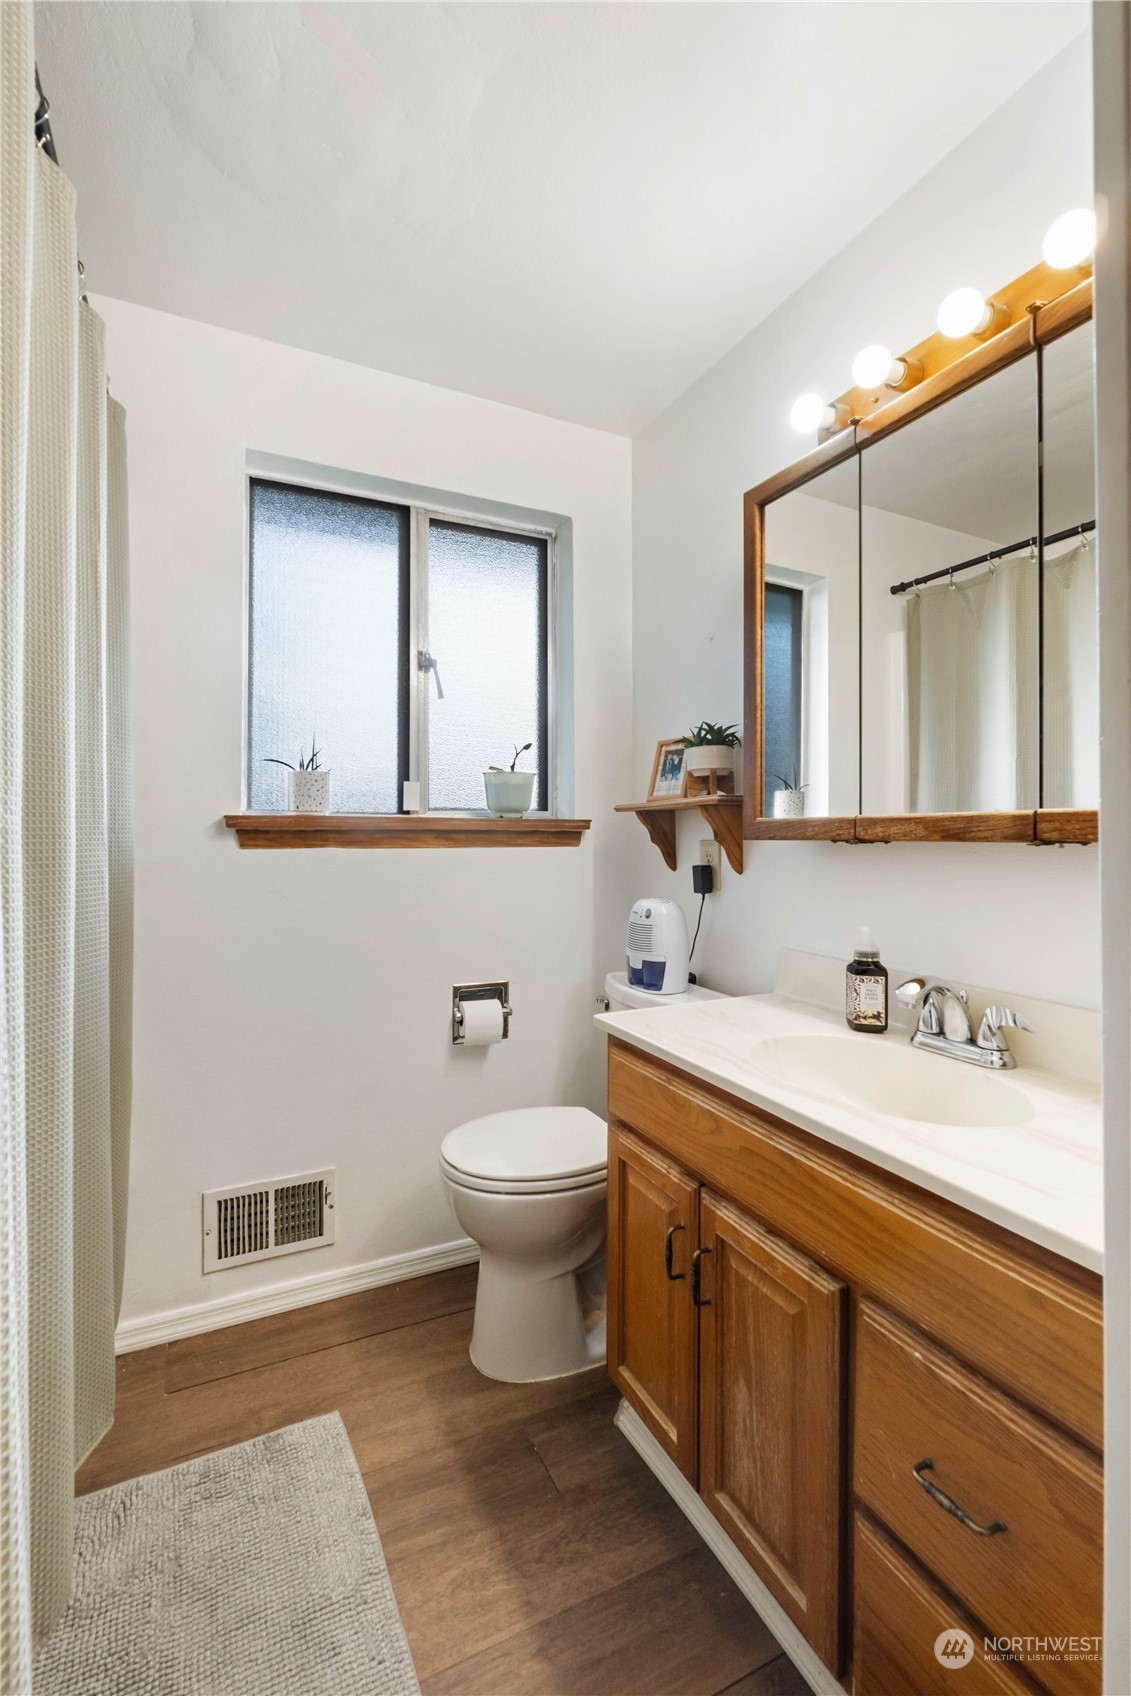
(1042, 1178)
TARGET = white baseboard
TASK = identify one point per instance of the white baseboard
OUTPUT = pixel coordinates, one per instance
(242, 1305)
(808, 1663)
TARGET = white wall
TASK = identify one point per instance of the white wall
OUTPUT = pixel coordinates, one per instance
(1007, 916)
(292, 1008)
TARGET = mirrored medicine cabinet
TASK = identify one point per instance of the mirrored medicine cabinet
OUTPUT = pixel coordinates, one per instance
(921, 641)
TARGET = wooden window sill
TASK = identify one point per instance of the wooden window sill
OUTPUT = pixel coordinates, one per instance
(400, 830)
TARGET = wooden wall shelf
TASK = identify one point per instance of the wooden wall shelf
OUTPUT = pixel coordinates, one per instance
(401, 830)
(722, 813)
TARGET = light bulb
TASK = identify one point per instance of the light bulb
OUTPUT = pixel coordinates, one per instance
(965, 313)
(1071, 240)
(875, 365)
(808, 413)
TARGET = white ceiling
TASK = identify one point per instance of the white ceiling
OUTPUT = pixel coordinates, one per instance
(576, 208)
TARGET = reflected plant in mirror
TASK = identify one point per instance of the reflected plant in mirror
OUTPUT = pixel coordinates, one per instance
(789, 797)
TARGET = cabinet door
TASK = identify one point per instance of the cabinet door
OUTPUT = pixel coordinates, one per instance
(653, 1235)
(771, 1411)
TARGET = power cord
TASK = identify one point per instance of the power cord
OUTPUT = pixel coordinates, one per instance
(695, 938)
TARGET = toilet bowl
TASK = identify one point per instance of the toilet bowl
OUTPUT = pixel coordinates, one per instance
(529, 1186)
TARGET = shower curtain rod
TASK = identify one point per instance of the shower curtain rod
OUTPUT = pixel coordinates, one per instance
(994, 555)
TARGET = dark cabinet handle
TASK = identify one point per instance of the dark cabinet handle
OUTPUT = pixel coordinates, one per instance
(695, 1259)
(949, 1505)
(674, 1276)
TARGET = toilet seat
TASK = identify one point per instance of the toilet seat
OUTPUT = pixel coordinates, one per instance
(515, 1186)
(527, 1151)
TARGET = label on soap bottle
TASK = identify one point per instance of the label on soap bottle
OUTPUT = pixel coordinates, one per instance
(866, 999)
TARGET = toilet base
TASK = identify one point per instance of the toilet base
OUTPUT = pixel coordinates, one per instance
(530, 1329)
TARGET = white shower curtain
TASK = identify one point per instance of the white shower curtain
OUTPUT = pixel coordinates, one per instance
(65, 877)
(973, 701)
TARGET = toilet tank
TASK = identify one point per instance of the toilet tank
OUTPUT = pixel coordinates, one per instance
(623, 997)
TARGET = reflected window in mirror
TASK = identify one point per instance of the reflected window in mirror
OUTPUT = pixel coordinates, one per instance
(810, 672)
(1071, 669)
(950, 590)
(782, 648)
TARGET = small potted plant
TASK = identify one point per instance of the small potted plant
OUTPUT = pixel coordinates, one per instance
(711, 749)
(789, 797)
(308, 783)
(509, 792)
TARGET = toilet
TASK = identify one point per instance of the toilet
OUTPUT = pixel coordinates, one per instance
(529, 1186)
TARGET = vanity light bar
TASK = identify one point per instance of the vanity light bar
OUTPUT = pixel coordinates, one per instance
(966, 312)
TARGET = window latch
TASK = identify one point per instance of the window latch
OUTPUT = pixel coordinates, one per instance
(425, 662)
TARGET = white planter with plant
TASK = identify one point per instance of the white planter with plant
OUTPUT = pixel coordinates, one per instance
(509, 792)
(308, 783)
(789, 799)
(711, 748)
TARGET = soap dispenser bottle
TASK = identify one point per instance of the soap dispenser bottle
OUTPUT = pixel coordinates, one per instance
(866, 988)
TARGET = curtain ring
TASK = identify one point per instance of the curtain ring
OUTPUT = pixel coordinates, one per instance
(953, 584)
(1085, 539)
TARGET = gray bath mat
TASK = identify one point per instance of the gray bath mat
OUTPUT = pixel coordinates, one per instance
(254, 1571)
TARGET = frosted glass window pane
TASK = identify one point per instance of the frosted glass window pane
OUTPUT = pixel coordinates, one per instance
(487, 634)
(328, 645)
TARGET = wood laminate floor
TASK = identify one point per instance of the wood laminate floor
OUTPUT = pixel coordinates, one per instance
(531, 1550)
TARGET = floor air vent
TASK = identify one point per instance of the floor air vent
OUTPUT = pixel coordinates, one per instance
(257, 1221)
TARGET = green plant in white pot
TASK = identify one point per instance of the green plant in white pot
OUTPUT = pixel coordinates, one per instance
(509, 791)
(308, 783)
(710, 748)
(789, 797)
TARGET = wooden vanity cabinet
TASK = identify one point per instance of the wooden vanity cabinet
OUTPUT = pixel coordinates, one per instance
(767, 1296)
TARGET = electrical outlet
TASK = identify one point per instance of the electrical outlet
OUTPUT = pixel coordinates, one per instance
(710, 854)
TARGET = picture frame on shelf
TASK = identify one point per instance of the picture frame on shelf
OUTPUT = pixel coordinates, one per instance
(669, 770)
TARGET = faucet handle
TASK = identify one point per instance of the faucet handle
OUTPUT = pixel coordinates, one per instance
(994, 1021)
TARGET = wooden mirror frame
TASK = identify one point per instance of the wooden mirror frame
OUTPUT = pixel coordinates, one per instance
(1034, 325)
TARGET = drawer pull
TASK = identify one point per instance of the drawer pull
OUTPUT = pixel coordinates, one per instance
(695, 1270)
(949, 1505)
(674, 1276)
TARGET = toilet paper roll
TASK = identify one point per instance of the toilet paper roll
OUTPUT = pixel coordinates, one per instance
(482, 1022)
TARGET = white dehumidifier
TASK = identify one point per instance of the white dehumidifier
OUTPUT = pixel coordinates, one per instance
(657, 948)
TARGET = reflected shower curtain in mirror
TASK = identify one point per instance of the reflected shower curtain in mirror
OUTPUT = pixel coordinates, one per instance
(65, 873)
(973, 699)
(972, 692)
(1072, 679)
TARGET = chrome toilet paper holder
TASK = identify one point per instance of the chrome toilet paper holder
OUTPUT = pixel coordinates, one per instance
(462, 992)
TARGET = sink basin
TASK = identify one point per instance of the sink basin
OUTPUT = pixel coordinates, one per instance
(899, 1082)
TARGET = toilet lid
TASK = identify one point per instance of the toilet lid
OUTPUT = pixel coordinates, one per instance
(530, 1144)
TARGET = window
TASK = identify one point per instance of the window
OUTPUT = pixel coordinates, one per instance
(410, 645)
(782, 704)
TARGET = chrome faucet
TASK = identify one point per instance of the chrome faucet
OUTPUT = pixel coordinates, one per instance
(944, 1024)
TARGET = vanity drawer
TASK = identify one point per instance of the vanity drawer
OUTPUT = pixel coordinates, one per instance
(899, 1617)
(1038, 1577)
